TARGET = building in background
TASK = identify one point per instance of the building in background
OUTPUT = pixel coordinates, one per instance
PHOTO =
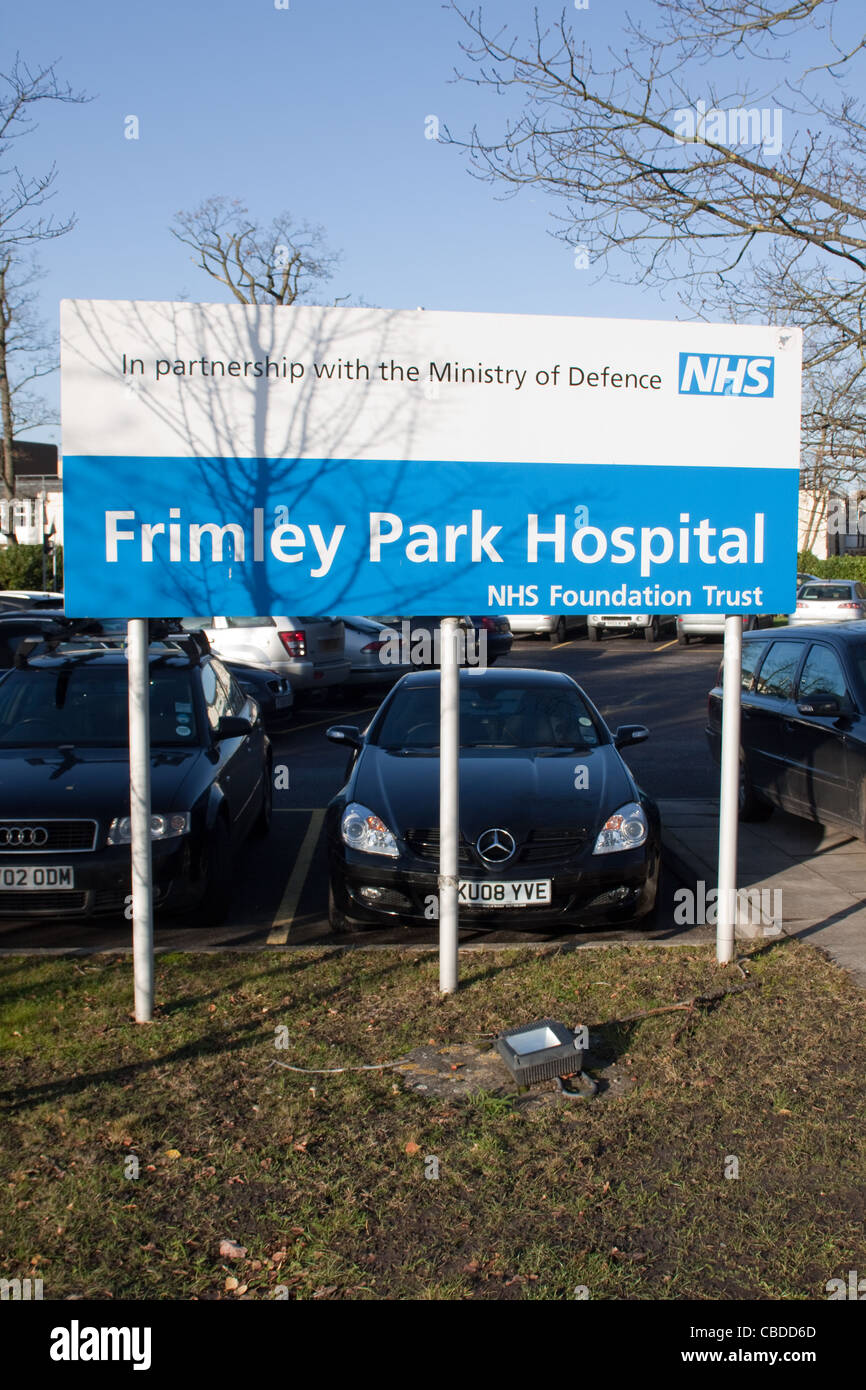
(36, 510)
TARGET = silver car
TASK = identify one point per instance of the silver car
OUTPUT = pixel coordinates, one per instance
(650, 624)
(830, 601)
(311, 652)
(691, 625)
(373, 651)
(555, 626)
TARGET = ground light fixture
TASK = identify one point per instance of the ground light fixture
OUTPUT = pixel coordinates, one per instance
(543, 1051)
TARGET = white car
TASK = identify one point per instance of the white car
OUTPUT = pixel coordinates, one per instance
(555, 626)
(830, 601)
(311, 652)
(650, 624)
(13, 599)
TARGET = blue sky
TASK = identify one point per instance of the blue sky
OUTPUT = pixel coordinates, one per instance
(319, 108)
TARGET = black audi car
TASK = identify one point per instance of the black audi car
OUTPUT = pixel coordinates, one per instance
(554, 831)
(64, 780)
(803, 724)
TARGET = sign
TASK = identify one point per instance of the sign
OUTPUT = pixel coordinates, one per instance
(249, 460)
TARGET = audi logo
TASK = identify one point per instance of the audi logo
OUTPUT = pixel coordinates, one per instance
(23, 836)
(496, 846)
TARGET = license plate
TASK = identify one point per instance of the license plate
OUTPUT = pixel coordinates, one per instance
(328, 644)
(617, 622)
(32, 878)
(281, 701)
(523, 892)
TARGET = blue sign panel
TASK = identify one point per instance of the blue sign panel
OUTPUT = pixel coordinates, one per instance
(157, 536)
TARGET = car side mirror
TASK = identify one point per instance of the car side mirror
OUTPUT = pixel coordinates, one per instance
(347, 734)
(820, 704)
(233, 726)
(628, 734)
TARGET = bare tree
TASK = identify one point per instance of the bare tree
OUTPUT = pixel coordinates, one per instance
(721, 151)
(274, 264)
(27, 345)
(24, 222)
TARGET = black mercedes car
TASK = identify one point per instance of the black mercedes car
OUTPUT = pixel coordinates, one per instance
(64, 780)
(554, 830)
(803, 724)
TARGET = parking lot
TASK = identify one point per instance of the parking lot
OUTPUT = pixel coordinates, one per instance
(280, 884)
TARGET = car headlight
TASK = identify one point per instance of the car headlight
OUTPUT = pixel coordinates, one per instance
(627, 828)
(364, 831)
(161, 828)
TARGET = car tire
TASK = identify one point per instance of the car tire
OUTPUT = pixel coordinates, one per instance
(683, 639)
(752, 806)
(262, 824)
(559, 633)
(595, 634)
(651, 633)
(216, 868)
(339, 923)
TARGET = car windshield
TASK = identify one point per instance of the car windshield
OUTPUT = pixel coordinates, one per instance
(86, 705)
(495, 716)
(826, 593)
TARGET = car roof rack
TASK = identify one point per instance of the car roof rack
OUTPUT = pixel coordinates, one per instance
(87, 633)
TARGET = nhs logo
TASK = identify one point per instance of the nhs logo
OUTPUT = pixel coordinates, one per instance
(702, 374)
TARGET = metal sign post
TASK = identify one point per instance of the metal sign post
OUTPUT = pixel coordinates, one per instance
(449, 804)
(732, 665)
(139, 814)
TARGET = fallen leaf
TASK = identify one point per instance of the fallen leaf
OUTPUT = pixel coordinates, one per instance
(230, 1284)
(172, 1153)
(231, 1251)
(412, 1147)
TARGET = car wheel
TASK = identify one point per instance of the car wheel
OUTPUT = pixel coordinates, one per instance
(683, 639)
(651, 633)
(338, 922)
(595, 634)
(216, 871)
(752, 806)
(263, 820)
(560, 632)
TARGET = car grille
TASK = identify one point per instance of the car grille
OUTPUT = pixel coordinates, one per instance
(425, 844)
(552, 846)
(548, 845)
(62, 835)
(26, 904)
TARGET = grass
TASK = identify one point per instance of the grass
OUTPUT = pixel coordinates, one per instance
(322, 1178)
